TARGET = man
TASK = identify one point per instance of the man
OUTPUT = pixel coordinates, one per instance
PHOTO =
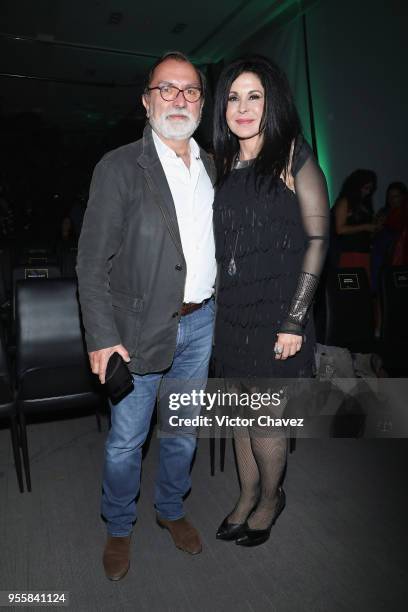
(146, 270)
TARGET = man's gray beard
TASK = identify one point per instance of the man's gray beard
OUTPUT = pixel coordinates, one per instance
(181, 130)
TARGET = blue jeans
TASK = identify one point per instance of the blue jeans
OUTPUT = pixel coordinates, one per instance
(130, 425)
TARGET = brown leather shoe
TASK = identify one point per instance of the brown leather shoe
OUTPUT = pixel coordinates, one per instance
(116, 557)
(185, 536)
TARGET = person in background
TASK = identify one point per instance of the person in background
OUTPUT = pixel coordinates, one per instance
(66, 247)
(354, 223)
(77, 211)
(390, 243)
(67, 230)
(393, 220)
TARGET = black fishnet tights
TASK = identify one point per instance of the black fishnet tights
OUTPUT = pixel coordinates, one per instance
(248, 476)
(261, 461)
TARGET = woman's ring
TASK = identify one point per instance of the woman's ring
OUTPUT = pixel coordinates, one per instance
(278, 349)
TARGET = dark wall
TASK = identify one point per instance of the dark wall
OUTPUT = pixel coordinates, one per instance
(358, 54)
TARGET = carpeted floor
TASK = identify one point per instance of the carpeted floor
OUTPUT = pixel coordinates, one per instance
(340, 545)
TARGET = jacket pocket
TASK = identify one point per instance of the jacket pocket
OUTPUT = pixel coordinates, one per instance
(127, 310)
(124, 301)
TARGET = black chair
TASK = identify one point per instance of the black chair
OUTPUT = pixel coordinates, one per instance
(35, 270)
(52, 367)
(393, 295)
(344, 312)
(32, 272)
(8, 411)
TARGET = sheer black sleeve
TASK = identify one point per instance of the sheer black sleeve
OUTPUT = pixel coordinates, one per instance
(311, 190)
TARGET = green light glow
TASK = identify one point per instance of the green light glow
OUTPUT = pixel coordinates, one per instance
(324, 159)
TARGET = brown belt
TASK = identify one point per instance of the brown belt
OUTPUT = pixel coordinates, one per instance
(190, 307)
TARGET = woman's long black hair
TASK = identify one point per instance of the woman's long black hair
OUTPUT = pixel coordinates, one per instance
(280, 123)
(351, 190)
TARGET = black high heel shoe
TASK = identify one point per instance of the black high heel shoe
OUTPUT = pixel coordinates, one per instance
(230, 531)
(255, 537)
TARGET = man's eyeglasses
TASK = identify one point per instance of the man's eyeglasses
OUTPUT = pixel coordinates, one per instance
(169, 93)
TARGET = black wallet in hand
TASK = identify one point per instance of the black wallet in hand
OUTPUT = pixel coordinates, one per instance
(118, 379)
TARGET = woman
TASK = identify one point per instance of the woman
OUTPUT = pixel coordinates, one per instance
(271, 226)
(354, 220)
(390, 243)
(396, 221)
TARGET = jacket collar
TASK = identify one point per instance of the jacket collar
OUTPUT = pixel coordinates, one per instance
(157, 181)
(149, 155)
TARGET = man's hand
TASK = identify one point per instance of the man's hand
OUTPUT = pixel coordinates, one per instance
(288, 345)
(99, 359)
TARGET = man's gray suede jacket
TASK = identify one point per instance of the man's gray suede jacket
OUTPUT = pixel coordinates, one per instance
(131, 268)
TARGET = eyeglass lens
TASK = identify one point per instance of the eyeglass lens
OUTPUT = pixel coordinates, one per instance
(191, 94)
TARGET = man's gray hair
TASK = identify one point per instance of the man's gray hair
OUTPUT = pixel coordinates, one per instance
(179, 57)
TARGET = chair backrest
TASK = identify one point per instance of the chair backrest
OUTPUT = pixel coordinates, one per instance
(36, 271)
(347, 310)
(48, 325)
(393, 289)
(32, 273)
(394, 303)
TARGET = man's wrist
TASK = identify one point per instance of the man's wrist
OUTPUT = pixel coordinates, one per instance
(99, 345)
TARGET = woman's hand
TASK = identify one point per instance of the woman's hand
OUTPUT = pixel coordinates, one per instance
(287, 345)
